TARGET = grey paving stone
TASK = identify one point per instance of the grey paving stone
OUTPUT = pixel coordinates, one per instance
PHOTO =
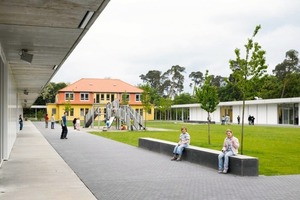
(113, 170)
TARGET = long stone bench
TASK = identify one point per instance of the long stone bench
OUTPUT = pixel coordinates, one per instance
(198, 122)
(239, 165)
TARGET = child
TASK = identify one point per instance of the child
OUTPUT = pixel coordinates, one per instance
(184, 141)
(230, 148)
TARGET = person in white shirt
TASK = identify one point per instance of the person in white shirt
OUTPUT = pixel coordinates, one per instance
(184, 141)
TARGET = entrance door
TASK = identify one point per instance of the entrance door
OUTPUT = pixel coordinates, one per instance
(289, 114)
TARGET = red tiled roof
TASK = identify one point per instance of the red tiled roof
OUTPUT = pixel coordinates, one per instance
(101, 85)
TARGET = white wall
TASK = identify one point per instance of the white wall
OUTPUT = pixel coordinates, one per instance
(272, 114)
(265, 111)
(10, 109)
(198, 114)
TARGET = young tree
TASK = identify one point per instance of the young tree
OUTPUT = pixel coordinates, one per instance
(125, 99)
(164, 105)
(246, 71)
(207, 96)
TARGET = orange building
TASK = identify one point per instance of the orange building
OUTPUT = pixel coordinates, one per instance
(89, 94)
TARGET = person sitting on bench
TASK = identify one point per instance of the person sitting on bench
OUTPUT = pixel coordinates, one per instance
(184, 141)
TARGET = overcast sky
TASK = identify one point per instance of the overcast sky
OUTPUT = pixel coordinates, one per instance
(131, 37)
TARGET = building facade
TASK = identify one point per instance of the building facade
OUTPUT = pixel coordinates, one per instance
(89, 94)
(265, 111)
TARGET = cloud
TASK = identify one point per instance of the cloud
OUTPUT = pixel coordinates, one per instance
(132, 37)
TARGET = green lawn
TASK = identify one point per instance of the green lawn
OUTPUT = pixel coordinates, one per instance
(277, 147)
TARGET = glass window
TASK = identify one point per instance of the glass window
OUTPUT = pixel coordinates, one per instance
(102, 97)
(72, 112)
(287, 114)
(54, 111)
(107, 97)
(84, 96)
(97, 98)
(112, 97)
(138, 97)
(81, 111)
(69, 96)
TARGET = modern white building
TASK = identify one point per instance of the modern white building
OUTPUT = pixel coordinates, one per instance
(265, 111)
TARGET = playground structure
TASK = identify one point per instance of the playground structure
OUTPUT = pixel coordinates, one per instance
(122, 115)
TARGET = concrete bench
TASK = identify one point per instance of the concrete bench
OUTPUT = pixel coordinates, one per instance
(239, 165)
(199, 122)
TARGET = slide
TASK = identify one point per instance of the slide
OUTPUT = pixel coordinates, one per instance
(110, 121)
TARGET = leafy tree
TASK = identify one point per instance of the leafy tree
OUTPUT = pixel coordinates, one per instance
(68, 105)
(284, 70)
(175, 82)
(49, 93)
(197, 79)
(246, 71)
(125, 100)
(228, 90)
(184, 98)
(271, 87)
(208, 98)
(40, 115)
(218, 81)
(164, 105)
(155, 79)
(292, 86)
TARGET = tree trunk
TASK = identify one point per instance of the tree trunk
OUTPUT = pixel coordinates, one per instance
(208, 127)
(242, 133)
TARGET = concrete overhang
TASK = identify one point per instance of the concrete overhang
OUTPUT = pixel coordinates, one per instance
(49, 30)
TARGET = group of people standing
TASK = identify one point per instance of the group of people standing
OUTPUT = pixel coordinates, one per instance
(229, 148)
(64, 127)
(52, 120)
(251, 120)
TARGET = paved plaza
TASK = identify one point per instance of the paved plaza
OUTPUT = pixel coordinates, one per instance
(112, 170)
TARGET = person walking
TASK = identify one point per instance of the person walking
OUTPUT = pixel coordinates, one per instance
(64, 131)
(238, 119)
(184, 141)
(21, 122)
(52, 121)
(230, 148)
